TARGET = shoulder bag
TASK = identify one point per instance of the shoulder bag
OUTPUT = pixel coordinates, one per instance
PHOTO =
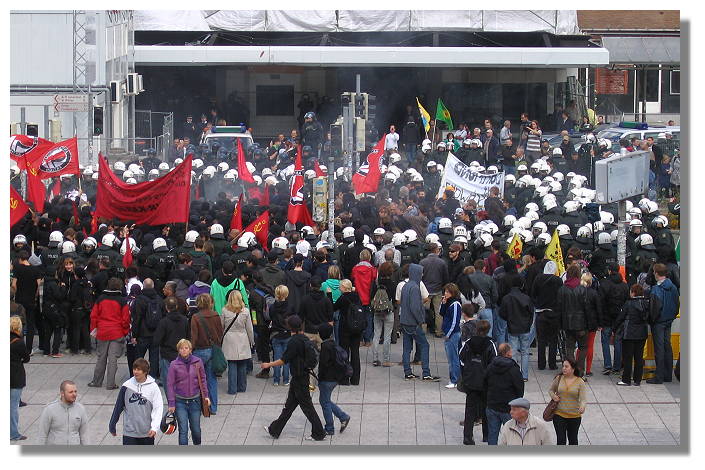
(218, 362)
(205, 408)
(551, 406)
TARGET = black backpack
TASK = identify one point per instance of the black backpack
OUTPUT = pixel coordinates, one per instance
(356, 319)
(154, 313)
(343, 368)
(198, 263)
(306, 364)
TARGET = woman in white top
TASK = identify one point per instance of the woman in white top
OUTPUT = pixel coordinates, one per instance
(533, 144)
(238, 340)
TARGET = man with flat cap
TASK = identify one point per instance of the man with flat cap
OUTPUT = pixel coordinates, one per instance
(524, 429)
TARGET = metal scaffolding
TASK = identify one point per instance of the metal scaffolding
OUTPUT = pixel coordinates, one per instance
(81, 81)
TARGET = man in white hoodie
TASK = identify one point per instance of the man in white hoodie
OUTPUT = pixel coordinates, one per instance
(64, 421)
(141, 401)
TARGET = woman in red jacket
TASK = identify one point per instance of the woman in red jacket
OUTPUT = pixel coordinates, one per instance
(363, 277)
(110, 323)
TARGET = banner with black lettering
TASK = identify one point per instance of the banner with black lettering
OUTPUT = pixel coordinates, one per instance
(468, 184)
(162, 201)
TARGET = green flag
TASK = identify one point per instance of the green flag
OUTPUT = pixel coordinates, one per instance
(442, 114)
(678, 250)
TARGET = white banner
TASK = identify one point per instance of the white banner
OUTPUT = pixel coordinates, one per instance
(468, 185)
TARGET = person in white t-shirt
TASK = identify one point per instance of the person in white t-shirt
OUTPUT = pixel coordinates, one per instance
(391, 142)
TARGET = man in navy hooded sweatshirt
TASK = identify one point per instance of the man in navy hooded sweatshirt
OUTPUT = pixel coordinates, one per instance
(668, 295)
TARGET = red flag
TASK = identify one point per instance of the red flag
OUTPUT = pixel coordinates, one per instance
(60, 159)
(56, 189)
(127, 257)
(367, 178)
(254, 193)
(260, 227)
(23, 147)
(18, 208)
(298, 212)
(242, 172)
(36, 191)
(94, 224)
(74, 207)
(162, 201)
(319, 171)
(265, 196)
(236, 220)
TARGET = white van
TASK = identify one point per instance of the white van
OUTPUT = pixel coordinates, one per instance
(616, 133)
(227, 137)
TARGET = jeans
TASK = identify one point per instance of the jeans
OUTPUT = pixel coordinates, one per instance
(278, 348)
(188, 413)
(452, 346)
(163, 370)
(329, 408)
(495, 420)
(137, 441)
(633, 353)
(386, 323)
(211, 380)
(146, 344)
(486, 314)
(663, 353)
(237, 376)
(411, 334)
(410, 150)
(566, 426)
(336, 327)
(108, 354)
(367, 334)
(499, 327)
(605, 335)
(520, 344)
(15, 395)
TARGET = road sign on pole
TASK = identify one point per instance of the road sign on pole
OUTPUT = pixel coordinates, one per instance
(74, 103)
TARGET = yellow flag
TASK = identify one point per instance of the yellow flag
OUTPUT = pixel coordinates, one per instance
(554, 253)
(515, 247)
(425, 117)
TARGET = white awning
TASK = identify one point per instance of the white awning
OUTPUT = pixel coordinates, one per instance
(330, 56)
(643, 50)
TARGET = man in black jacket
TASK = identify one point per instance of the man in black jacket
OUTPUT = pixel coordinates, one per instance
(171, 329)
(147, 312)
(503, 383)
(543, 294)
(297, 280)
(316, 310)
(517, 310)
(614, 292)
(299, 394)
(328, 375)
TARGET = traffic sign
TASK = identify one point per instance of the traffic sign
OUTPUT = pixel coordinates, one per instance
(71, 103)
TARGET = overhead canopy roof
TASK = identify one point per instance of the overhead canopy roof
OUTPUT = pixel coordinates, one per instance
(643, 50)
(325, 56)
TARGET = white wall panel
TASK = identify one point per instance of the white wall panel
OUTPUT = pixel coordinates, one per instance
(41, 48)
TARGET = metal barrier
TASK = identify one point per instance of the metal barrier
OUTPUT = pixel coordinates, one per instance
(157, 127)
(115, 149)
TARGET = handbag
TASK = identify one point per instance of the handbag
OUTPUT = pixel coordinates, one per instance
(218, 362)
(205, 408)
(550, 409)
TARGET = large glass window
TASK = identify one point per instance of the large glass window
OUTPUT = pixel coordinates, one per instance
(675, 82)
(275, 100)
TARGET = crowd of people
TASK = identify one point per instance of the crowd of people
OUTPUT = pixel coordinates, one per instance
(205, 300)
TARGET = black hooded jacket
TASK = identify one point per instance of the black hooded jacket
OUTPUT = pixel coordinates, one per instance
(503, 382)
(315, 309)
(171, 329)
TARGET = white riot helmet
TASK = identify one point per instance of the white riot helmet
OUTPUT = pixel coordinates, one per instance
(532, 216)
(644, 239)
(391, 177)
(571, 206)
(119, 166)
(598, 226)
(19, 238)
(543, 239)
(378, 231)
(461, 239)
(539, 227)
(613, 235)
(542, 191)
(410, 235)
(56, 237)
(394, 158)
(322, 244)
(127, 174)
(584, 232)
(94, 176)
(191, 236)
(179, 161)
(258, 179)
(271, 180)
(89, 242)
(398, 239)
(660, 219)
(526, 236)
(108, 240)
(484, 240)
(247, 240)
(158, 243)
(216, 229)
(459, 230)
(230, 175)
(524, 222)
(606, 217)
(445, 223)
(509, 220)
(439, 167)
(131, 181)
(563, 230)
(307, 231)
(432, 238)
(630, 205)
(267, 172)
(603, 238)
(309, 174)
(555, 186)
(558, 176)
(223, 167)
(87, 172)
(164, 166)
(372, 248)
(644, 204)
(133, 246)
(652, 207)
(549, 203)
(209, 171)
(532, 206)
(348, 234)
(68, 247)
(153, 174)
(250, 167)
(635, 213)
(197, 163)
(280, 242)
(416, 178)
(510, 179)
(635, 223)
(522, 167)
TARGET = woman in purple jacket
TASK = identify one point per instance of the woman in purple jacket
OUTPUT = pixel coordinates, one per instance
(185, 384)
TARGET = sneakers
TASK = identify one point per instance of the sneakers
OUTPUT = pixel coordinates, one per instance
(115, 387)
(607, 371)
(376, 363)
(588, 374)
(275, 384)
(410, 377)
(344, 424)
(266, 429)
(263, 374)
(21, 438)
(431, 378)
(94, 385)
(286, 384)
(57, 355)
(451, 385)
(623, 384)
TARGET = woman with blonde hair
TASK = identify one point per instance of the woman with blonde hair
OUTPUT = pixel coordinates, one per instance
(207, 330)
(278, 312)
(332, 286)
(18, 357)
(238, 340)
(593, 311)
